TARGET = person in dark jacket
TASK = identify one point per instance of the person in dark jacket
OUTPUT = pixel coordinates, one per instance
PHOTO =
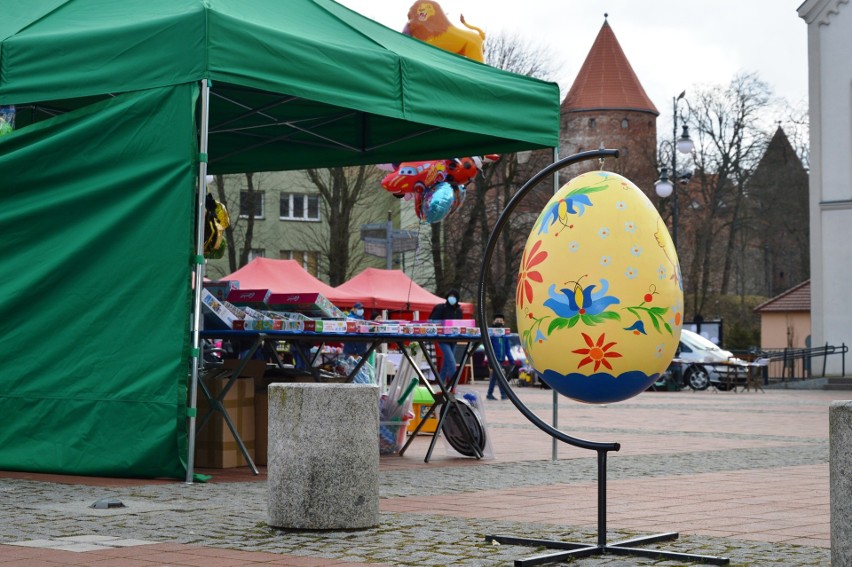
(502, 350)
(442, 312)
(357, 349)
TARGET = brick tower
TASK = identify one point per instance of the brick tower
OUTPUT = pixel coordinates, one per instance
(607, 105)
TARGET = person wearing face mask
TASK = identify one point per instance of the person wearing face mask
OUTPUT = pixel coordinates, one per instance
(500, 343)
(357, 349)
(441, 312)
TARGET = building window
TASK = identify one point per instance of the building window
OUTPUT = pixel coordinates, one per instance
(625, 123)
(592, 123)
(308, 259)
(300, 206)
(251, 202)
(256, 253)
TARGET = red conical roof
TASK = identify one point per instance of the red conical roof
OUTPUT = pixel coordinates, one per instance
(606, 80)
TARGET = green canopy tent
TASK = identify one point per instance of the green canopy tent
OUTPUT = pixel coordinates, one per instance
(122, 108)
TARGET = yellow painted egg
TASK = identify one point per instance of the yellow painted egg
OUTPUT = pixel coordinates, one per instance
(599, 298)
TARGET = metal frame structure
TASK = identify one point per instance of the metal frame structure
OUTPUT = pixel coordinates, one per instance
(447, 404)
(198, 279)
(568, 549)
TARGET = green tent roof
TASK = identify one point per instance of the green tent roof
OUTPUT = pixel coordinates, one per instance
(301, 83)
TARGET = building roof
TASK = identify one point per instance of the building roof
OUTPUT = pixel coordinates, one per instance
(779, 161)
(606, 80)
(797, 298)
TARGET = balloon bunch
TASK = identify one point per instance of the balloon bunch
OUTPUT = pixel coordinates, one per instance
(437, 186)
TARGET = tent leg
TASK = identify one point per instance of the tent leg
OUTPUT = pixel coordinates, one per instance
(201, 190)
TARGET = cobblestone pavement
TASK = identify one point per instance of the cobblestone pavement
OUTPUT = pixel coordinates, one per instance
(232, 515)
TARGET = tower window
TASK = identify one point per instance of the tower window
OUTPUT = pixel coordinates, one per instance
(625, 123)
(592, 123)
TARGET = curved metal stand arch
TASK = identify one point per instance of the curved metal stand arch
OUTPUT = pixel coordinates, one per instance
(570, 549)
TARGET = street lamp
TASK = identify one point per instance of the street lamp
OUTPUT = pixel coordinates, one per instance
(664, 186)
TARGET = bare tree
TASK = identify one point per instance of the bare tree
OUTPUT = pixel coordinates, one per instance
(727, 120)
(342, 192)
(241, 195)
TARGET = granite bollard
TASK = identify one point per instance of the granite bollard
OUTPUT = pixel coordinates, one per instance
(840, 480)
(323, 457)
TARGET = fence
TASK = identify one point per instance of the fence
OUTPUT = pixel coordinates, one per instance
(797, 363)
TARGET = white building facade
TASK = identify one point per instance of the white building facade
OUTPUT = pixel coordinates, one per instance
(830, 99)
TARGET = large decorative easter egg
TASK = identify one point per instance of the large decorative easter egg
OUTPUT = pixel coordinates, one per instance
(599, 298)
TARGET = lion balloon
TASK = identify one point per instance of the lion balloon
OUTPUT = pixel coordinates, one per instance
(427, 22)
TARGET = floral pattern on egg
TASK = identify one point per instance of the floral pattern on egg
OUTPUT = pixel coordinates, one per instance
(599, 297)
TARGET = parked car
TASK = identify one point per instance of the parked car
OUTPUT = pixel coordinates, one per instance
(703, 363)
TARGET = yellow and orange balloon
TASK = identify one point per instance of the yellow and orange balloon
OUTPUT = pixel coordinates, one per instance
(427, 22)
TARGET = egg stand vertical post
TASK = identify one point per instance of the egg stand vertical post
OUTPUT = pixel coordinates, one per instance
(568, 549)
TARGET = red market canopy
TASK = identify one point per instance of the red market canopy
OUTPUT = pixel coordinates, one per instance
(286, 276)
(394, 291)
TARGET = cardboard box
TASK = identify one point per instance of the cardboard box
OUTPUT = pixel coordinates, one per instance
(339, 326)
(293, 322)
(293, 325)
(290, 315)
(428, 328)
(256, 298)
(313, 304)
(222, 314)
(262, 324)
(368, 327)
(261, 424)
(459, 323)
(221, 289)
(215, 446)
(257, 321)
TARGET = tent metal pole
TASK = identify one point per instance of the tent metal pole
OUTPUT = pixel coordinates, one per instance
(201, 194)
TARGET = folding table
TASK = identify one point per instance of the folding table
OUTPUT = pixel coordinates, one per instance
(302, 341)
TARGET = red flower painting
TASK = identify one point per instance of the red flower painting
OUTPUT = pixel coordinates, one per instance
(529, 260)
(598, 352)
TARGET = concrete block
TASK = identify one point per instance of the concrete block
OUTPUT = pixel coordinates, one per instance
(840, 480)
(323, 456)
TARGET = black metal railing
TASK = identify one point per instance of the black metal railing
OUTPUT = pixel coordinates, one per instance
(788, 364)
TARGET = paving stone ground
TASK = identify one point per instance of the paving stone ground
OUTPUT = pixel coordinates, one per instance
(742, 475)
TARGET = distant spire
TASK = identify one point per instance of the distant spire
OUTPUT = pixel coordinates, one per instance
(606, 80)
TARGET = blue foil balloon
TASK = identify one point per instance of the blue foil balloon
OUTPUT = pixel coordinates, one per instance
(439, 203)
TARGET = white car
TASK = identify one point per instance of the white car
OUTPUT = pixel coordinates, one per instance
(703, 363)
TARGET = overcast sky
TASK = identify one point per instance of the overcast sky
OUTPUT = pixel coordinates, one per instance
(673, 45)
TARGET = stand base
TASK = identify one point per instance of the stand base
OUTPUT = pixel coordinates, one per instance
(572, 550)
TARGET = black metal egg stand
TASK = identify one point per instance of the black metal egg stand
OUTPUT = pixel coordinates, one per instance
(568, 550)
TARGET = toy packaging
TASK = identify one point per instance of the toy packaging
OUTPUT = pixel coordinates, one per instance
(313, 304)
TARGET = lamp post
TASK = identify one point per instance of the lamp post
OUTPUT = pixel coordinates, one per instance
(665, 186)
